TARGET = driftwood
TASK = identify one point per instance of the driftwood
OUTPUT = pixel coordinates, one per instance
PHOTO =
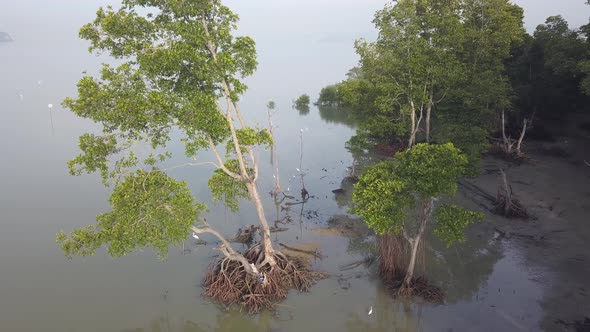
(309, 252)
(278, 229)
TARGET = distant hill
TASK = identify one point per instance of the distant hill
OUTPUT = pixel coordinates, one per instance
(4, 37)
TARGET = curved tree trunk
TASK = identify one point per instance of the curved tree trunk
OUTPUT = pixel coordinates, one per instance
(415, 241)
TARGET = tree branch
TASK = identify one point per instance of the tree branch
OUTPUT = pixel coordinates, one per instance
(220, 160)
(192, 164)
(225, 247)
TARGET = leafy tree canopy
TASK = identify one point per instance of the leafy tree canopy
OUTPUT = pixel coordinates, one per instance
(176, 59)
(387, 194)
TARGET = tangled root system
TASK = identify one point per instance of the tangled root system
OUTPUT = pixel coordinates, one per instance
(394, 252)
(228, 282)
(420, 287)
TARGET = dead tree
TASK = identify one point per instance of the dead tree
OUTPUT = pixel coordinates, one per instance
(509, 146)
(506, 202)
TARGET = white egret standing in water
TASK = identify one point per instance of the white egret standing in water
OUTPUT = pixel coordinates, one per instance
(195, 235)
(371, 311)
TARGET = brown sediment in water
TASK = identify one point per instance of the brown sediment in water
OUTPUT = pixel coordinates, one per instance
(228, 283)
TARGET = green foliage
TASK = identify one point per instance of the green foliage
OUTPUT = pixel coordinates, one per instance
(271, 105)
(249, 137)
(94, 156)
(329, 96)
(387, 192)
(149, 210)
(452, 221)
(469, 137)
(380, 199)
(225, 188)
(302, 103)
(431, 170)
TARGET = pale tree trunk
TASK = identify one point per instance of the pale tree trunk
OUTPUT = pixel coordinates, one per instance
(428, 113)
(415, 241)
(412, 140)
(244, 176)
(521, 138)
(415, 123)
(269, 251)
(507, 143)
(273, 158)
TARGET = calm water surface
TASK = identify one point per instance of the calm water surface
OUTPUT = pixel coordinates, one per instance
(40, 290)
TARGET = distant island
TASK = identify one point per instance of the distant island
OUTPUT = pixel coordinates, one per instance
(5, 37)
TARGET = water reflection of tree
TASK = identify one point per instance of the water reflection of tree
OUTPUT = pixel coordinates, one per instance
(339, 115)
(230, 321)
(463, 269)
(303, 110)
(387, 315)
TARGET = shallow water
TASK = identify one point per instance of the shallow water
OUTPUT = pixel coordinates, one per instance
(40, 290)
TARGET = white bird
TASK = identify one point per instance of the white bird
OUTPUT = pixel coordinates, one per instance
(371, 310)
(195, 236)
(301, 130)
(50, 106)
(298, 170)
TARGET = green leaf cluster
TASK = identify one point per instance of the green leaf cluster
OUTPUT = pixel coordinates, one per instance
(388, 193)
(223, 187)
(148, 210)
(302, 103)
(452, 221)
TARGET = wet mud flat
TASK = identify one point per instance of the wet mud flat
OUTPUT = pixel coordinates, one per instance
(511, 274)
(555, 239)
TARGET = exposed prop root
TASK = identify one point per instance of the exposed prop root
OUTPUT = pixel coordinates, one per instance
(228, 282)
(506, 202)
(393, 262)
(420, 287)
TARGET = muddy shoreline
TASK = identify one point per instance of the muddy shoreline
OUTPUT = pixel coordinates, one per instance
(555, 188)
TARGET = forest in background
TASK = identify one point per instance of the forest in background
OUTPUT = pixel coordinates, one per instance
(456, 71)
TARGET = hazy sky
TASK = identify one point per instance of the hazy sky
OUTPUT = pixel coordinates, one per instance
(302, 44)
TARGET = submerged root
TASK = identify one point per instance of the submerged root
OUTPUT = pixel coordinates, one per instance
(228, 282)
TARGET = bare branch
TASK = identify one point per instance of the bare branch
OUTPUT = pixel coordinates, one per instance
(225, 247)
(220, 161)
(192, 164)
